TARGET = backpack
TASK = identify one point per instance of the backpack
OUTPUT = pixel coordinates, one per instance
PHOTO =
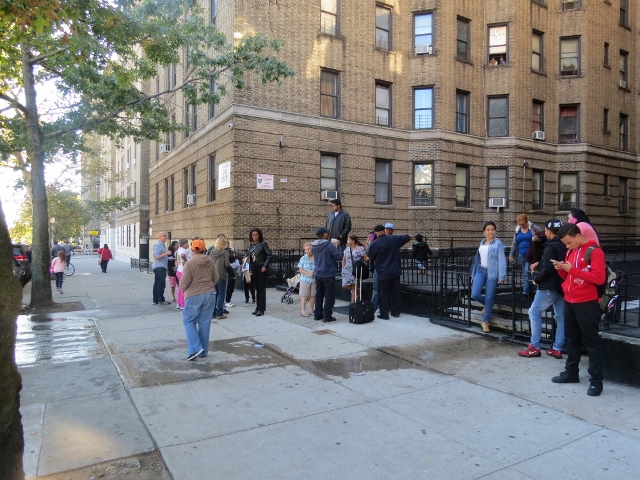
(608, 291)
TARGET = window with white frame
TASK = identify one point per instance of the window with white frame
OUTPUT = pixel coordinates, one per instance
(383, 104)
(423, 184)
(383, 182)
(329, 94)
(497, 184)
(423, 108)
(383, 27)
(329, 17)
(329, 172)
(570, 56)
(498, 52)
(462, 186)
(498, 116)
(568, 191)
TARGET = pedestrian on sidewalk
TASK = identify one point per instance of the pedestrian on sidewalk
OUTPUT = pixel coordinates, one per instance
(159, 265)
(220, 257)
(583, 270)
(325, 256)
(58, 263)
(353, 253)
(182, 256)
(378, 231)
(260, 257)
(171, 269)
(198, 281)
(489, 268)
(549, 293)
(248, 285)
(307, 287)
(104, 255)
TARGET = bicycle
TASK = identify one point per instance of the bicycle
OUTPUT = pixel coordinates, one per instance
(69, 270)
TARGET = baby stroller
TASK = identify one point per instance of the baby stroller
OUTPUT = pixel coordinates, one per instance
(294, 283)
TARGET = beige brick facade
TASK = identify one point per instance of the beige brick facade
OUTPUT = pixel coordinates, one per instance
(263, 115)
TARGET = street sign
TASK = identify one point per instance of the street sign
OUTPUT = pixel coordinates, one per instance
(94, 232)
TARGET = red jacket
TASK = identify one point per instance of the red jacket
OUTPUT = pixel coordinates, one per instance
(580, 282)
(105, 254)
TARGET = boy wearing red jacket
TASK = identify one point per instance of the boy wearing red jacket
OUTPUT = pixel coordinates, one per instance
(582, 311)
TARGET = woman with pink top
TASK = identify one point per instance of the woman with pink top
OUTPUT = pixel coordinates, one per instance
(181, 260)
(58, 263)
(581, 219)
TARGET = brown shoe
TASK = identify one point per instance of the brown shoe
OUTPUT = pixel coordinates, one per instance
(485, 327)
(221, 317)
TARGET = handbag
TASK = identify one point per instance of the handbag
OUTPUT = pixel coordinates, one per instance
(51, 270)
(360, 267)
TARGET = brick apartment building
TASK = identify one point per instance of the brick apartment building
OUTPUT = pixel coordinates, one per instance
(436, 115)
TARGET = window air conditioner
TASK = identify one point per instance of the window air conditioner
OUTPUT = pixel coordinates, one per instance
(128, 165)
(329, 195)
(622, 84)
(570, 5)
(538, 135)
(191, 199)
(497, 202)
(164, 148)
(424, 49)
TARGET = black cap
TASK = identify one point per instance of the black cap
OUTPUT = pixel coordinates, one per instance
(378, 228)
(321, 231)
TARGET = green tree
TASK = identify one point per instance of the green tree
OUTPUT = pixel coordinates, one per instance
(98, 54)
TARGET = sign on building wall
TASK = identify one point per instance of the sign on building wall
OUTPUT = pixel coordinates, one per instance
(224, 175)
(264, 181)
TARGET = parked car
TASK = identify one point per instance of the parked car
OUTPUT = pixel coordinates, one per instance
(21, 263)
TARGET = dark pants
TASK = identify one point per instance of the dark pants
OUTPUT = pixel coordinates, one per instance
(159, 284)
(325, 297)
(249, 287)
(260, 279)
(581, 326)
(231, 286)
(59, 277)
(389, 296)
(103, 265)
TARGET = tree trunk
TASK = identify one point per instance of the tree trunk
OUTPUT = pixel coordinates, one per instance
(41, 258)
(11, 437)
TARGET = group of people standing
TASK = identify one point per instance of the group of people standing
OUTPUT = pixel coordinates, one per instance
(567, 270)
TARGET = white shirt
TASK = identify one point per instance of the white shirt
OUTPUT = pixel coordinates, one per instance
(179, 260)
(484, 255)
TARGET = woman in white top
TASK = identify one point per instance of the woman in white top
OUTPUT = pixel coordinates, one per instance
(182, 255)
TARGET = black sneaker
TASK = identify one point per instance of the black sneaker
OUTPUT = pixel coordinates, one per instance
(595, 389)
(565, 377)
(327, 320)
(193, 356)
(316, 318)
(383, 317)
(164, 303)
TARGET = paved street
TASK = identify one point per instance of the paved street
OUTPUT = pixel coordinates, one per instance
(285, 397)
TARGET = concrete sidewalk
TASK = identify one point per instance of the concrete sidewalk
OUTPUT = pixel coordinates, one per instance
(285, 397)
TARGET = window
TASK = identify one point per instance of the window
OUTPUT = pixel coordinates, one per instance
(498, 45)
(167, 77)
(194, 118)
(423, 108)
(212, 178)
(193, 182)
(383, 27)
(498, 116)
(187, 57)
(463, 52)
(173, 132)
(166, 194)
(605, 121)
(157, 199)
(605, 61)
(172, 185)
(423, 32)
(623, 132)
(462, 186)
(624, 68)
(537, 183)
(329, 172)
(539, 2)
(497, 183)
(383, 104)
(568, 190)
(329, 94)
(383, 182)
(185, 186)
(605, 185)
(624, 13)
(423, 184)
(536, 52)
(462, 111)
(214, 12)
(329, 17)
(569, 56)
(537, 116)
(568, 5)
(569, 124)
(212, 92)
(623, 192)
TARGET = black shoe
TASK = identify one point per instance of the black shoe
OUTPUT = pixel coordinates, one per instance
(316, 318)
(595, 389)
(246, 300)
(327, 320)
(193, 356)
(259, 313)
(565, 377)
(225, 311)
(395, 316)
(384, 317)
(253, 301)
(254, 312)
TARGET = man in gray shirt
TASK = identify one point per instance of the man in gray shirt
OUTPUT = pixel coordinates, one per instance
(160, 265)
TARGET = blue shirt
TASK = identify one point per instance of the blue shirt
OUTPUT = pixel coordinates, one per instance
(306, 263)
(524, 240)
(159, 249)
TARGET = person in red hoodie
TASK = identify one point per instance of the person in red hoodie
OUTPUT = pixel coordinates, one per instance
(582, 311)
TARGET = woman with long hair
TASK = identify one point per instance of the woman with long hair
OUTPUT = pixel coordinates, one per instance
(105, 255)
(355, 251)
(259, 258)
(58, 263)
(171, 269)
(220, 256)
(525, 233)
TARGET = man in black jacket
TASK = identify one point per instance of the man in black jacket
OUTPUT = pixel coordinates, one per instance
(549, 293)
(338, 224)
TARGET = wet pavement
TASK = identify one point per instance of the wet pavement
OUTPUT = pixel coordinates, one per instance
(283, 396)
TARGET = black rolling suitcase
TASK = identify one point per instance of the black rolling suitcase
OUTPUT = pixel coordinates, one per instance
(360, 311)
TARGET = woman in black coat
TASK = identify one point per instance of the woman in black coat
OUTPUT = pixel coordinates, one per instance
(259, 258)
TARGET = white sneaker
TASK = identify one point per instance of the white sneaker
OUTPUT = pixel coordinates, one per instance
(229, 305)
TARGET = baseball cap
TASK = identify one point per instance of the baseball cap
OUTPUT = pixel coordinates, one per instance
(183, 241)
(388, 225)
(321, 231)
(378, 228)
(198, 245)
(195, 238)
(554, 223)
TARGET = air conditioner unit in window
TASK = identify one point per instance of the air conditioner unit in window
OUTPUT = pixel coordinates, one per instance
(329, 195)
(128, 165)
(191, 199)
(538, 135)
(497, 202)
(164, 148)
(570, 5)
(622, 84)
(424, 49)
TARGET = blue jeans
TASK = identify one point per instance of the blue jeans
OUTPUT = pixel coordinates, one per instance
(159, 284)
(374, 295)
(59, 277)
(491, 284)
(543, 300)
(526, 275)
(325, 298)
(196, 317)
(221, 290)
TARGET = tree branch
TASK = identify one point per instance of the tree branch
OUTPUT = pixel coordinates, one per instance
(14, 103)
(34, 60)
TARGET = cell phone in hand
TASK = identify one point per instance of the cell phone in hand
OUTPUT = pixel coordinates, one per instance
(555, 261)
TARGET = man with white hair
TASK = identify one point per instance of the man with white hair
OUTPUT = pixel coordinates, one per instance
(160, 265)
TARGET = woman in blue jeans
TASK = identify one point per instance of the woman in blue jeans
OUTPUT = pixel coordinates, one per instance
(488, 269)
(221, 258)
(525, 233)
